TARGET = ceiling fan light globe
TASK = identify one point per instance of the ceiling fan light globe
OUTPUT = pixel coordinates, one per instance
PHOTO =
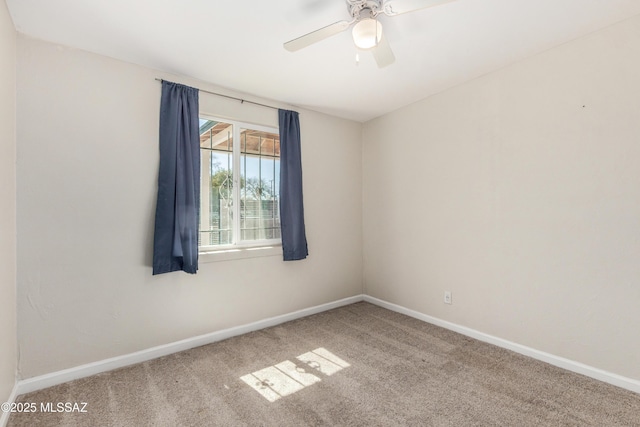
(367, 33)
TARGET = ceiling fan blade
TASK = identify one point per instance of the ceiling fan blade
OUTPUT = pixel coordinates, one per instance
(316, 36)
(396, 7)
(382, 53)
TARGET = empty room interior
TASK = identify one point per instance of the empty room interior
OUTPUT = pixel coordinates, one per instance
(471, 212)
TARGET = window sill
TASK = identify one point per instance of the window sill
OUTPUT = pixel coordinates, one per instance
(239, 253)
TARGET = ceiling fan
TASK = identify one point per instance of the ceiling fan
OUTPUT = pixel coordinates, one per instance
(367, 30)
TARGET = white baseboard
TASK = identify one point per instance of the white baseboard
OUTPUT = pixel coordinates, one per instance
(59, 377)
(55, 378)
(4, 416)
(570, 365)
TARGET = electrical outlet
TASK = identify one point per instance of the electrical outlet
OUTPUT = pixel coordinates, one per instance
(447, 297)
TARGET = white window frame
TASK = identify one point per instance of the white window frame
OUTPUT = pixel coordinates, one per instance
(240, 248)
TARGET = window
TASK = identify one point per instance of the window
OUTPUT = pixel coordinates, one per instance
(240, 181)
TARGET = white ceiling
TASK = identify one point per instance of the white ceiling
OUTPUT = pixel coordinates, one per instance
(238, 44)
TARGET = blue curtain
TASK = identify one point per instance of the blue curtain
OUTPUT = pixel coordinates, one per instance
(294, 239)
(175, 245)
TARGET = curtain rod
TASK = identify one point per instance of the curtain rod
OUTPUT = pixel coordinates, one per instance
(242, 101)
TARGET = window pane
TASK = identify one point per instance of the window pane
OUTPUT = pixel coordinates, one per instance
(216, 195)
(260, 178)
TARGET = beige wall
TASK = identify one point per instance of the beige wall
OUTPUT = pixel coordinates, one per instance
(520, 193)
(88, 160)
(8, 343)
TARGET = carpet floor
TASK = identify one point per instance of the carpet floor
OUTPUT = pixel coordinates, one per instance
(358, 365)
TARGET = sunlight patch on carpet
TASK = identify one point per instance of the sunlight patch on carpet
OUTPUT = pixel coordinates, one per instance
(288, 377)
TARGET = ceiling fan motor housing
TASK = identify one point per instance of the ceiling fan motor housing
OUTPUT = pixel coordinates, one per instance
(361, 9)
